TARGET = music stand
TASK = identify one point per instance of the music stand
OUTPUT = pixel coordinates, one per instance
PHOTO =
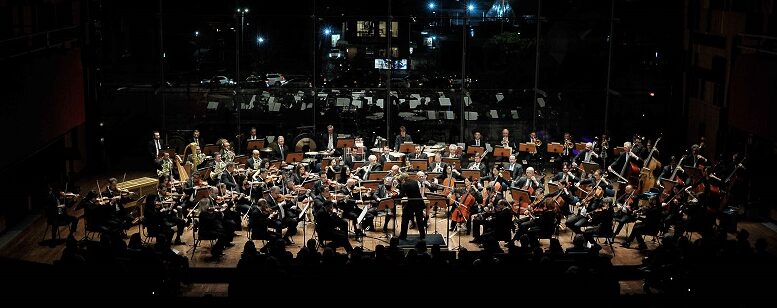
(357, 164)
(371, 184)
(555, 147)
(519, 195)
(419, 164)
(455, 162)
(377, 175)
(294, 157)
(210, 149)
(309, 184)
(276, 164)
(527, 147)
(431, 175)
(503, 151)
(255, 144)
(407, 147)
(325, 163)
(241, 159)
(617, 150)
(476, 150)
(553, 187)
(345, 143)
(692, 172)
(387, 165)
(668, 184)
(459, 184)
(507, 175)
(590, 167)
(472, 174)
(304, 222)
(202, 192)
(439, 201)
(580, 146)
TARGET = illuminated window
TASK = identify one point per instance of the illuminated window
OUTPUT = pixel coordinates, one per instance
(365, 28)
(394, 29)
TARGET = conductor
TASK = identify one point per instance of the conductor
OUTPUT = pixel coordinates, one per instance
(414, 207)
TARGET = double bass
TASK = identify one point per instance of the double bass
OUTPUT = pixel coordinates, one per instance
(646, 178)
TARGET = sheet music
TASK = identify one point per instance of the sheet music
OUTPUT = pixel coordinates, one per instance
(431, 114)
(357, 103)
(273, 105)
(379, 103)
(471, 116)
(414, 103)
(467, 101)
(213, 105)
(493, 114)
(343, 102)
(499, 97)
(362, 214)
(449, 115)
(304, 210)
(444, 101)
(489, 148)
(416, 96)
(514, 114)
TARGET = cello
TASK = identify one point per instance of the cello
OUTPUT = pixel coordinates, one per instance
(462, 211)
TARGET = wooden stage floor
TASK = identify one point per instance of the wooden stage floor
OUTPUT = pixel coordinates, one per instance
(25, 243)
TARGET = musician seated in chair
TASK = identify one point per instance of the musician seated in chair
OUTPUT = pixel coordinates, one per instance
(350, 210)
(496, 222)
(211, 225)
(477, 164)
(648, 224)
(329, 141)
(260, 219)
(330, 227)
(565, 175)
(418, 154)
(287, 212)
(624, 208)
(160, 217)
(56, 212)
(117, 200)
(515, 168)
(601, 223)
(530, 181)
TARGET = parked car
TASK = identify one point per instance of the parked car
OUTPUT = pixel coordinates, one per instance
(299, 82)
(254, 81)
(396, 83)
(218, 81)
(336, 54)
(275, 79)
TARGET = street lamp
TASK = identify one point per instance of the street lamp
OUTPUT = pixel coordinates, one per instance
(432, 5)
(239, 45)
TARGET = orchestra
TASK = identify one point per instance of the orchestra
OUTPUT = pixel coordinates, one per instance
(269, 195)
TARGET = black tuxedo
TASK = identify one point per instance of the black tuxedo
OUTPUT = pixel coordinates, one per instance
(433, 166)
(561, 176)
(325, 141)
(198, 141)
(516, 170)
(279, 152)
(414, 208)
(229, 180)
(481, 166)
(473, 143)
(152, 148)
(383, 159)
(422, 155)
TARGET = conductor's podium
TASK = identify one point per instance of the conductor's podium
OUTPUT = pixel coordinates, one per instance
(140, 187)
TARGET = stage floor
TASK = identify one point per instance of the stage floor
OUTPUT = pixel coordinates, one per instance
(24, 242)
